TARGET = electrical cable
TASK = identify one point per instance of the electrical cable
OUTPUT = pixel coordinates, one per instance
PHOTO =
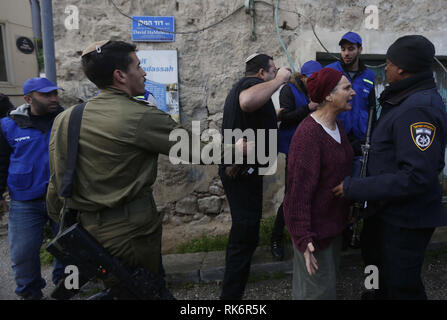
(280, 39)
(313, 30)
(442, 66)
(277, 30)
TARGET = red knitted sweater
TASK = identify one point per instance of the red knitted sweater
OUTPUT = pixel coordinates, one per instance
(317, 163)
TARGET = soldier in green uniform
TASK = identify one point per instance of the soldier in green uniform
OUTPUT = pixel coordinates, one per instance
(119, 143)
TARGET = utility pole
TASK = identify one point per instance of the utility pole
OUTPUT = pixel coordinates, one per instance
(46, 12)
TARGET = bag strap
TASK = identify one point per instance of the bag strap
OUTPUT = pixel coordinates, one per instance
(74, 129)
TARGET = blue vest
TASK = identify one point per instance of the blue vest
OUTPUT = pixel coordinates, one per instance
(356, 119)
(286, 134)
(29, 171)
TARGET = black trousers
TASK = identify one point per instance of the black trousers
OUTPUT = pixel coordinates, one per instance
(278, 227)
(399, 255)
(245, 200)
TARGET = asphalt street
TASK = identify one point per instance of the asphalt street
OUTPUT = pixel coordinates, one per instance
(271, 287)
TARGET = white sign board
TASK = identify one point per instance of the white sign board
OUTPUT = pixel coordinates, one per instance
(162, 78)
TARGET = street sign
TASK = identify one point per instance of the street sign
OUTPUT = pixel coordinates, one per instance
(150, 29)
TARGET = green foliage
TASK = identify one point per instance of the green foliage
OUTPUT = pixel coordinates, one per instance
(265, 231)
(39, 52)
(206, 243)
(45, 257)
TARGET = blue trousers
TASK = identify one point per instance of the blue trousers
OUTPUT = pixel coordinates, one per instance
(25, 233)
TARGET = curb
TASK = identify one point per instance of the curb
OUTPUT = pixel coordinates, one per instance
(206, 267)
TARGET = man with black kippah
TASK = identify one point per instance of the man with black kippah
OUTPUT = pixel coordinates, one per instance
(406, 156)
(248, 106)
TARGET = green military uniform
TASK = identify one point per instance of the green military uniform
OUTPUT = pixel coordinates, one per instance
(119, 143)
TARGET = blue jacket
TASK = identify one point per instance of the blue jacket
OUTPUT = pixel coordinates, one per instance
(27, 146)
(355, 121)
(286, 132)
(406, 157)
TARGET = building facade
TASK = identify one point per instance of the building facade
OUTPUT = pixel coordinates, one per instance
(18, 59)
(210, 60)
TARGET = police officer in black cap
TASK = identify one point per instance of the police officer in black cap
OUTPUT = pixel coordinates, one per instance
(406, 156)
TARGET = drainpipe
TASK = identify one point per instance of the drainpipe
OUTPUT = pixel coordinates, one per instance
(35, 12)
(46, 12)
(37, 28)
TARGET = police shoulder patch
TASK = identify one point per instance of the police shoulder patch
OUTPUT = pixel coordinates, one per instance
(423, 134)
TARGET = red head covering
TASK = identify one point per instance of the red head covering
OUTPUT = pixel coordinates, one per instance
(321, 83)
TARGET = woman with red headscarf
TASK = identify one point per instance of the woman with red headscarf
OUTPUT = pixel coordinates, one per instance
(320, 157)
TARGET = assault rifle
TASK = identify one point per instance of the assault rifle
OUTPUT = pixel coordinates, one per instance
(358, 212)
(75, 246)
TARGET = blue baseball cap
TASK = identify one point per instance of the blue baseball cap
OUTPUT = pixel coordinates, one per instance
(310, 67)
(40, 85)
(351, 37)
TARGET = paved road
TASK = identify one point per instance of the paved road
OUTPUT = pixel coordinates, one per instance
(349, 286)
(277, 287)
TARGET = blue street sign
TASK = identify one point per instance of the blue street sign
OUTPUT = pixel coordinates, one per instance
(142, 32)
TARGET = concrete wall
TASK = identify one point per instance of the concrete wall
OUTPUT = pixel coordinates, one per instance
(15, 16)
(211, 61)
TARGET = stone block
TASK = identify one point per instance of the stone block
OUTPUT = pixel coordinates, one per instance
(210, 204)
(187, 205)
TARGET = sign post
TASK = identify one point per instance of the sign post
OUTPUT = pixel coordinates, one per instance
(150, 29)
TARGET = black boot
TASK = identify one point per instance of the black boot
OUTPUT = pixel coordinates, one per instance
(277, 250)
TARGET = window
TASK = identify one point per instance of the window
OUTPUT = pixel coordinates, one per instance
(3, 74)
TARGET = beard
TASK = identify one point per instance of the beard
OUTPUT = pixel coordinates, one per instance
(43, 108)
(353, 61)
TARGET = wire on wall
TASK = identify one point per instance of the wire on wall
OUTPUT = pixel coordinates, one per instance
(277, 8)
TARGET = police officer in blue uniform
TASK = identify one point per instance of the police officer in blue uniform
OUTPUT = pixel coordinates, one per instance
(406, 157)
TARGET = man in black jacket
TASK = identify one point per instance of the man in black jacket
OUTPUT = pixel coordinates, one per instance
(248, 106)
(406, 156)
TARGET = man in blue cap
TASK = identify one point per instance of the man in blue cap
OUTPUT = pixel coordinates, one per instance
(24, 169)
(355, 121)
(295, 105)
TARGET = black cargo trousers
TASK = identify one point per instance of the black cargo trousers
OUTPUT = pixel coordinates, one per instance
(244, 195)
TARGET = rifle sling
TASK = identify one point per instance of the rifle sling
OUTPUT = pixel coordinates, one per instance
(74, 129)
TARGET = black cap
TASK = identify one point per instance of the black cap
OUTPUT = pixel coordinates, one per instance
(414, 53)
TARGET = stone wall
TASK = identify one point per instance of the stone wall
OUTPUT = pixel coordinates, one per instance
(211, 61)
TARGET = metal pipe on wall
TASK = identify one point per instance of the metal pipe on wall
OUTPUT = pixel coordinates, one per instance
(35, 12)
(46, 12)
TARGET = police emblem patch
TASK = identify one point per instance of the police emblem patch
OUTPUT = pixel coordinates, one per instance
(423, 134)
